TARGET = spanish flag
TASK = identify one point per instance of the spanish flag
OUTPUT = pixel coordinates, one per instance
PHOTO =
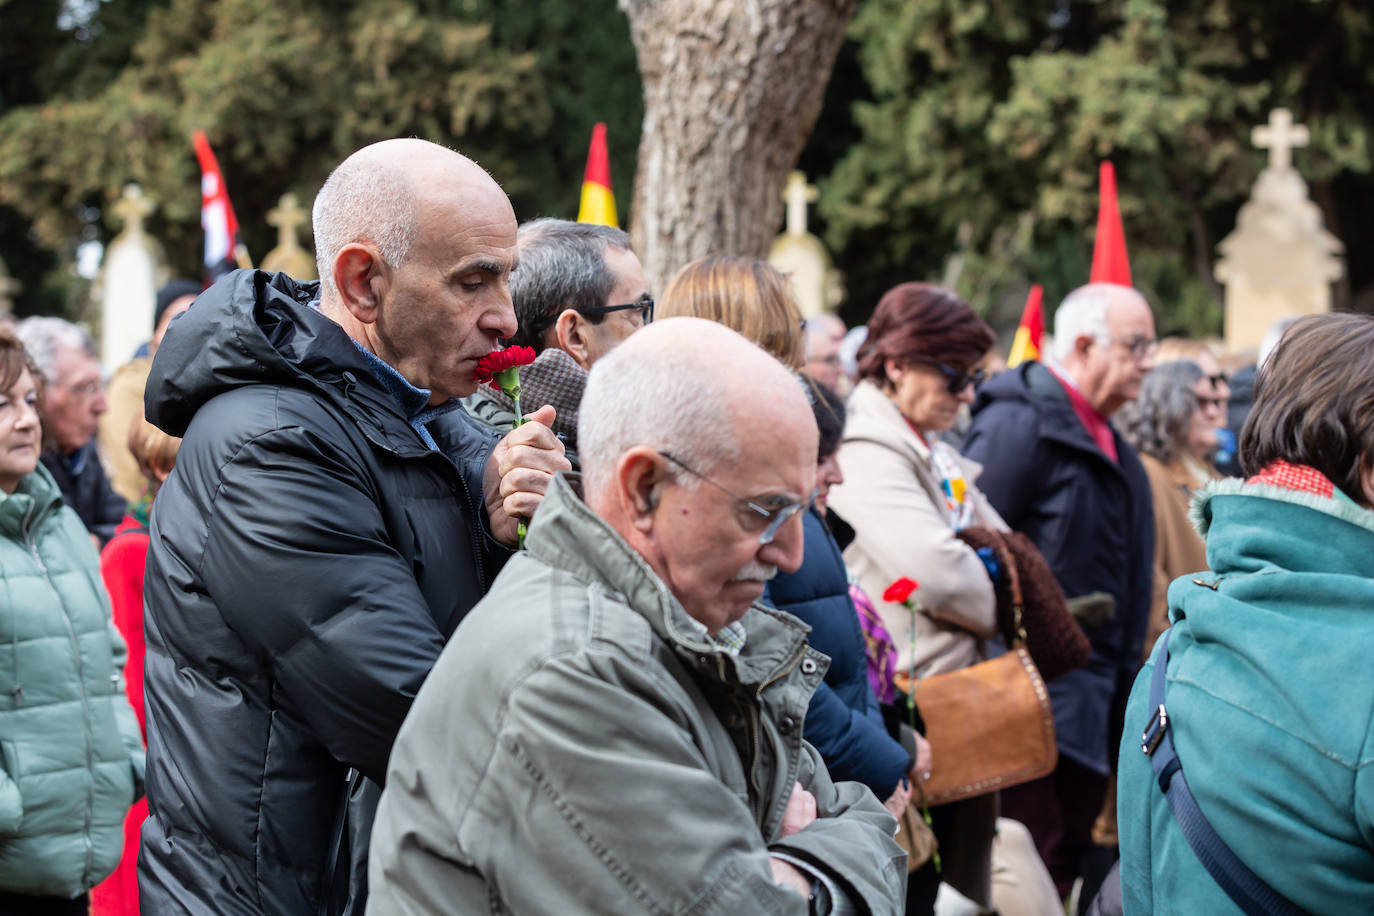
(1110, 264)
(598, 203)
(1025, 346)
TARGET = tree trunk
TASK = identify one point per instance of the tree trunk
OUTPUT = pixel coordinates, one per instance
(732, 89)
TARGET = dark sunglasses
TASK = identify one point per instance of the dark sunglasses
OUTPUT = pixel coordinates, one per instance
(645, 307)
(1218, 379)
(956, 381)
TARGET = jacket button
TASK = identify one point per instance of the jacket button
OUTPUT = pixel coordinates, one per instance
(350, 378)
(808, 666)
(786, 724)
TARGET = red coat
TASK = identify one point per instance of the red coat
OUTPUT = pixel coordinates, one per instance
(121, 565)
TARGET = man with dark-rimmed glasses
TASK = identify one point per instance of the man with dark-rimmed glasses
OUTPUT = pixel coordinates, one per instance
(579, 291)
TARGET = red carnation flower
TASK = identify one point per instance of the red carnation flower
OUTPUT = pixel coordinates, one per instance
(498, 361)
(501, 370)
(898, 592)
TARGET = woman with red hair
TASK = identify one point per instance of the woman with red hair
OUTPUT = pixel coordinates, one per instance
(906, 494)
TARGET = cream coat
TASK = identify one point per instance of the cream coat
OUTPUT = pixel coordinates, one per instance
(892, 496)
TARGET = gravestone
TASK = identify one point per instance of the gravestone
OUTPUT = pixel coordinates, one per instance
(289, 257)
(816, 285)
(126, 287)
(1279, 260)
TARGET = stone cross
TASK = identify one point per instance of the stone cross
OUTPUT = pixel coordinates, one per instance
(1280, 136)
(798, 194)
(289, 257)
(133, 208)
(287, 216)
(9, 288)
(128, 280)
(1280, 261)
(801, 256)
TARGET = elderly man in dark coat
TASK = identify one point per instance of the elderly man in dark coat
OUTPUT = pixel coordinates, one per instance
(332, 517)
(1058, 471)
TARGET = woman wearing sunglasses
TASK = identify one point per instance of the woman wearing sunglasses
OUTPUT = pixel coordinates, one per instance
(906, 493)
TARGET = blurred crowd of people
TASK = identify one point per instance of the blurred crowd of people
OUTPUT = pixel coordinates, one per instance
(288, 531)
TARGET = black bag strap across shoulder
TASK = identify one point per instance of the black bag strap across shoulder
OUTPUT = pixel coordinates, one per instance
(1249, 892)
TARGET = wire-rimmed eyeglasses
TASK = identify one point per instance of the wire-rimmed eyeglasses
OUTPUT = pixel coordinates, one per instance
(753, 515)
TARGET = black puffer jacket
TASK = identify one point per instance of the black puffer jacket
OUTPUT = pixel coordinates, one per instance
(1092, 519)
(310, 556)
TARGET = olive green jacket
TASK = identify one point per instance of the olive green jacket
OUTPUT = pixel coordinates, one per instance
(579, 748)
(73, 755)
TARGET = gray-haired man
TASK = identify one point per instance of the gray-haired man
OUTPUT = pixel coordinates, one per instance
(74, 399)
(579, 292)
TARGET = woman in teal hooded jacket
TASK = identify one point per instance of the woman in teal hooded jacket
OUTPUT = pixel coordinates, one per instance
(1268, 687)
(72, 756)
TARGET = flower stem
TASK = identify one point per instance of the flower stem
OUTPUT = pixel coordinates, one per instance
(522, 527)
(911, 669)
(911, 717)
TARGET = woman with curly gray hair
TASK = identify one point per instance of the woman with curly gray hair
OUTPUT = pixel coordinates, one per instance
(1173, 425)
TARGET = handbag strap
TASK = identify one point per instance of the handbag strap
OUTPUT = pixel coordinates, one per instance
(1018, 604)
(1249, 892)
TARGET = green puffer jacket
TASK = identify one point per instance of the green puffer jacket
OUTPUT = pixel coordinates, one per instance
(73, 757)
(579, 749)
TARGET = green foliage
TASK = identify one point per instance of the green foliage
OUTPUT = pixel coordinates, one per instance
(989, 113)
(285, 89)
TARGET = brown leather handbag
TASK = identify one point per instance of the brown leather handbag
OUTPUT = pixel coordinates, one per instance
(989, 725)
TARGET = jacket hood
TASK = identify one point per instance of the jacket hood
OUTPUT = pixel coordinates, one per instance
(254, 327)
(568, 535)
(1032, 383)
(1264, 523)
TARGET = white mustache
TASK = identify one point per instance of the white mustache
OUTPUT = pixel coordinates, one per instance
(755, 571)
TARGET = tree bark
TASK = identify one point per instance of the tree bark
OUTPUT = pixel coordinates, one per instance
(732, 89)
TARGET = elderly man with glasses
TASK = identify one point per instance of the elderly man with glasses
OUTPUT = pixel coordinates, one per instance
(1057, 470)
(617, 727)
(579, 292)
(73, 401)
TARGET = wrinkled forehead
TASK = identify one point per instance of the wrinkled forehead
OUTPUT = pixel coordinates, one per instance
(73, 365)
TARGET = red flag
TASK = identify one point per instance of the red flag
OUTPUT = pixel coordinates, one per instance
(223, 250)
(1110, 264)
(598, 203)
(1025, 346)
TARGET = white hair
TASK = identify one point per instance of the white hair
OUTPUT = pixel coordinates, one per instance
(673, 402)
(849, 350)
(42, 337)
(363, 200)
(1083, 312)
